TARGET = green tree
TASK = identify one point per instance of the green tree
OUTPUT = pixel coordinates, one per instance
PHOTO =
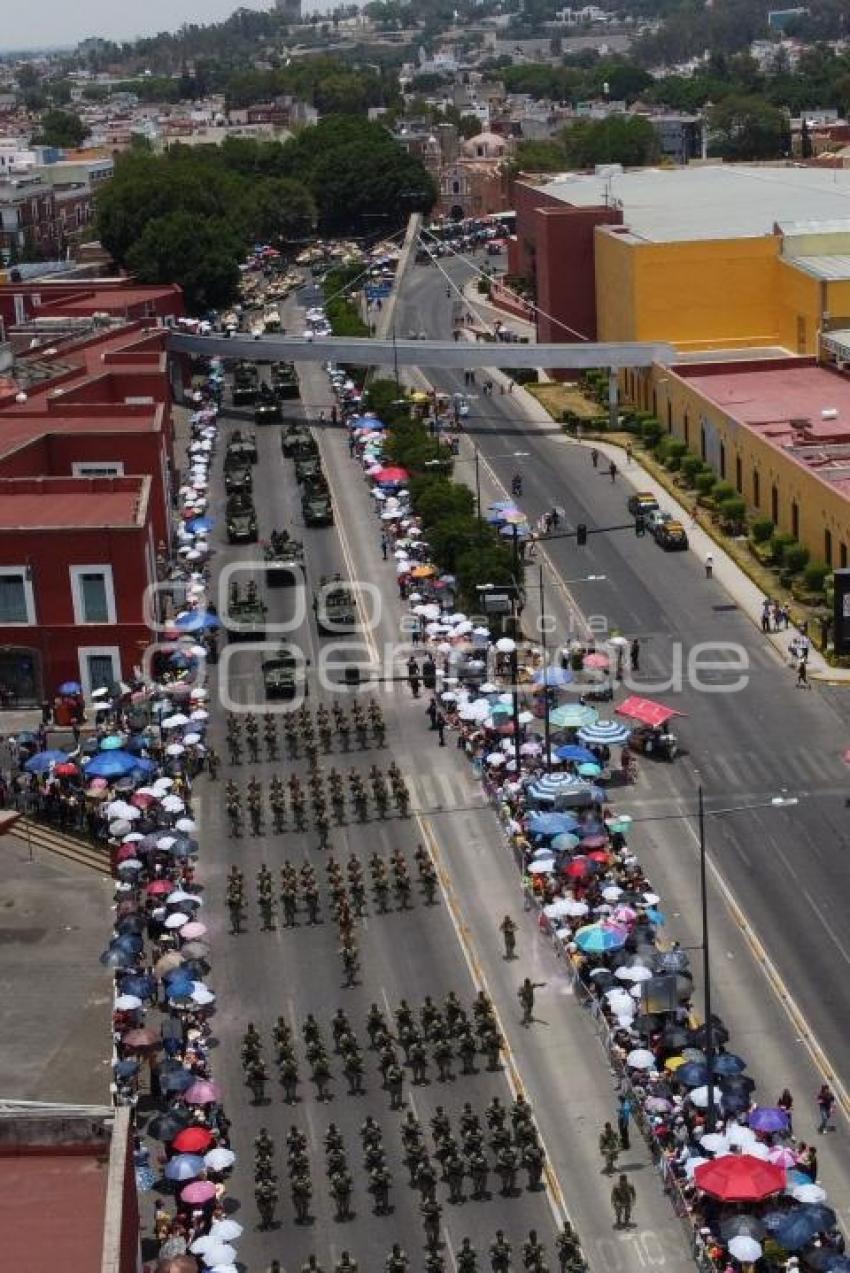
(281, 208)
(743, 128)
(629, 140)
(61, 128)
(539, 156)
(201, 255)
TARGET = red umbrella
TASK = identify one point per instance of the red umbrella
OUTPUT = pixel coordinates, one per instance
(578, 868)
(66, 770)
(159, 888)
(740, 1178)
(193, 1140)
(125, 853)
(599, 855)
(142, 800)
(392, 473)
(140, 1040)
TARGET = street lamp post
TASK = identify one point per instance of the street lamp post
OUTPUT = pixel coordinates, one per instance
(776, 802)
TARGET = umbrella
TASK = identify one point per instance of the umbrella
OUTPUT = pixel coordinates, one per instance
(808, 1193)
(127, 1003)
(117, 957)
(139, 985)
(42, 761)
(692, 1074)
(184, 1167)
(198, 1192)
(553, 676)
(742, 1226)
(782, 1156)
(715, 1143)
(70, 687)
(740, 1178)
(141, 1040)
(727, 1064)
(219, 1160)
(166, 1126)
(801, 1226)
(745, 1249)
(551, 823)
(219, 1253)
(112, 764)
(573, 716)
(572, 751)
(596, 939)
(196, 621)
(641, 1059)
(113, 743)
(204, 1092)
(768, 1119)
(607, 733)
(226, 1230)
(193, 1140)
(699, 1097)
(192, 930)
(177, 1080)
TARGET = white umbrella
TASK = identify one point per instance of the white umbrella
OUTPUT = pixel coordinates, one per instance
(224, 1230)
(173, 804)
(556, 908)
(495, 758)
(203, 1243)
(621, 1005)
(759, 1150)
(738, 1135)
(224, 1268)
(699, 1097)
(808, 1193)
(177, 920)
(505, 645)
(575, 908)
(220, 1253)
(715, 1143)
(192, 738)
(163, 784)
(121, 809)
(174, 749)
(175, 721)
(186, 824)
(202, 995)
(692, 1163)
(641, 1059)
(611, 892)
(133, 838)
(126, 1003)
(745, 1248)
(546, 866)
(180, 895)
(200, 713)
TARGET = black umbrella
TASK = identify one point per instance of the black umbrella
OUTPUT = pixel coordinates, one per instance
(719, 1035)
(646, 1022)
(742, 1226)
(166, 1126)
(675, 1037)
(131, 924)
(735, 1083)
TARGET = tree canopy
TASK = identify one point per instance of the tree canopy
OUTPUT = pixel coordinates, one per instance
(629, 140)
(748, 128)
(61, 128)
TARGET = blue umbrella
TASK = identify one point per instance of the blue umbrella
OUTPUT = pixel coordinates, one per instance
(184, 1167)
(726, 1063)
(197, 621)
(571, 751)
(129, 941)
(551, 823)
(608, 733)
(113, 743)
(200, 525)
(142, 765)
(596, 940)
(554, 676)
(798, 1229)
(42, 761)
(124, 1069)
(70, 687)
(565, 842)
(768, 1118)
(111, 764)
(692, 1074)
(177, 1080)
(117, 957)
(138, 984)
(655, 916)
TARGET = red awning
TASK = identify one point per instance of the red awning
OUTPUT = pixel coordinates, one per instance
(646, 711)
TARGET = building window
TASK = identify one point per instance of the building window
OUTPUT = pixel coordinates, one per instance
(93, 594)
(795, 519)
(774, 506)
(842, 556)
(723, 461)
(99, 665)
(827, 547)
(455, 187)
(756, 489)
(739, 475)
(16, 596)
(98, 468)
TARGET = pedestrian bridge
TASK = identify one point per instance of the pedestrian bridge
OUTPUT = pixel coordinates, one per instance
(365, 352)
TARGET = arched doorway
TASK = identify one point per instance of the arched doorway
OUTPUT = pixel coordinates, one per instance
(456, 213)
(20, 676)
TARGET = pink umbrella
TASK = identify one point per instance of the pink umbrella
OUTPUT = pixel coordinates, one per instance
(198, 1191)
(596, 660)
(204, 1092)
(595, 842)
(126, 852)
(782, 1156)
(623, 915)
(192, 930)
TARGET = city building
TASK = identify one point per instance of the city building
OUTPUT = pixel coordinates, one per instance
(67, 1183)
(86, 455)
(474, 184)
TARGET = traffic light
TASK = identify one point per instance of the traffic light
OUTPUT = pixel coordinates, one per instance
(640, 525)
(581, 534)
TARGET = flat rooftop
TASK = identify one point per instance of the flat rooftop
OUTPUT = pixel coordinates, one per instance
(54, 1206)
(712, 202)
(73, 503)
(767, 400)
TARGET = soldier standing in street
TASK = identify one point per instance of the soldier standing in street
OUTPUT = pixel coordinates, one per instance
(609, 1148)
(266, 1196)
(467, 1259)
(568, 1248)
(340, 1186)
(345, 1264)
(508, 931)
(479, 1172)
(397, 1261)
(500, 1253)
(431, 1212)
(302, 1191)
(525, 994)
(623, 1200)
(395, 1085)
(380, 1181)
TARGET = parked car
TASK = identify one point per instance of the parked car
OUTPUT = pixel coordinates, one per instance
(672, 536)
(642, 502)
(655, 520)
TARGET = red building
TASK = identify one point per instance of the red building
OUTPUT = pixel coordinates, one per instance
(83, 298)
(554, 251)
(86, 455)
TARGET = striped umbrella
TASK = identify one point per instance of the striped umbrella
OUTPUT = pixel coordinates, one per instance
(608, 733)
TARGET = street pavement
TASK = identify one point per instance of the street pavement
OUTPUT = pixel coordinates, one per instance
(774, 873)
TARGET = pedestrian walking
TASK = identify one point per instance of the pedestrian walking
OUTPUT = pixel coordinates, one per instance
(634, 655)
(628, 453)
(709, 565)
(612, 471)
(802, 675)
(826, 1103)
(384, 546)
(623, 1200)
(785, 1101)
(440, 726)
(432, 711)
(624, 1113)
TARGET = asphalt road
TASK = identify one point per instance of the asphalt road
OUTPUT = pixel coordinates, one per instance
(787, 870)
(259, 975)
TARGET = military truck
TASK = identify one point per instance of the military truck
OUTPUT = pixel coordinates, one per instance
(285, 381)
(308, 468)
(245, 381)
(266, 408)
(238, 481)
(284, 558)
(281, 676)
(241, 519)
(241, 450)
(316, 505)
(334, 606)
(246, 613)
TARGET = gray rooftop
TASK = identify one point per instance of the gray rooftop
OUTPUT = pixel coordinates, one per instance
(832, 269)
(712, 201)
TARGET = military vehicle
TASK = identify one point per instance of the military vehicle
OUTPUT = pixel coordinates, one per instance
(334, 606)
(296, 440)
(245, 381)
(266, 408)
(308, 468)
(246, 613)
(241, 450)
(238, 481)
(281, 675)
(672, 536)
(285, 381)
(316, 505)
(241, 520)
(284, 558)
